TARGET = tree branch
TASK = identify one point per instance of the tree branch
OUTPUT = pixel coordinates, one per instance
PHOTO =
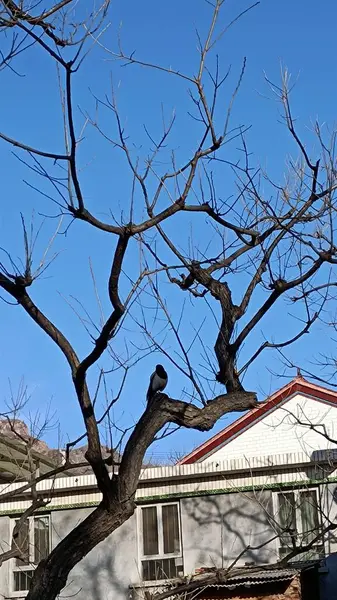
(163, 410)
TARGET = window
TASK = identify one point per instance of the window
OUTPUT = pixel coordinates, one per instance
(297, 516)
(34, 541)
(161, 556)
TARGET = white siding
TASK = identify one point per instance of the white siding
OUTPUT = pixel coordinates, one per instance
(202, 477)
(278, 432)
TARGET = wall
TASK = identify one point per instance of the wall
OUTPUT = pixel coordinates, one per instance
(109, 569)
(215, 529)
(329, 508)
(4, 546)
(278, 433)
(104, 574)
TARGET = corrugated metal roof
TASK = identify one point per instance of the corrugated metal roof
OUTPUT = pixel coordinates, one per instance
(245, 579)
(256, 578)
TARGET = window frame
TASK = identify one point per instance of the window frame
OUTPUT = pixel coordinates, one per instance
(298, 516)
(160, 556)
(31, 566)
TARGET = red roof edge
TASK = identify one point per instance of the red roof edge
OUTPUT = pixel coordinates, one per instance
(297, 385)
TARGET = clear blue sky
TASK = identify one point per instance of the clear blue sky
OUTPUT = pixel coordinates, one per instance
(294, 34)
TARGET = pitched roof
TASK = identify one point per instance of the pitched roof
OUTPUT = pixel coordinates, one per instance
(15, 460)
(296, 385)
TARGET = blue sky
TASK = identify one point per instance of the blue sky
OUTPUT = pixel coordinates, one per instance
(293, 34)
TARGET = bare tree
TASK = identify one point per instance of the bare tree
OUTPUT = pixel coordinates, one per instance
(22, 462)
(267, 240)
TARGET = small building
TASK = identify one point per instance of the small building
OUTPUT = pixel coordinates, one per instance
(243, 499)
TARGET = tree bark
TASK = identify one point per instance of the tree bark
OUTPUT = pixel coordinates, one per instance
(51, 574)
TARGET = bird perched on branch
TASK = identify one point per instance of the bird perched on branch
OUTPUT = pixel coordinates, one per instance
(158, 382)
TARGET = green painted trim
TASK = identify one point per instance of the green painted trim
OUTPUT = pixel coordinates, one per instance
(247, 488)
(145, 499)
(16, 511)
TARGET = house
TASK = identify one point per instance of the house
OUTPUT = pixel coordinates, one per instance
(15, 461)
(243, 498)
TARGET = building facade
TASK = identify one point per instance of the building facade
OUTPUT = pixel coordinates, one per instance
(267, 481)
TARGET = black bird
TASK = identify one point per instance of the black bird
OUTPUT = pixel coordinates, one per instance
(158, 382)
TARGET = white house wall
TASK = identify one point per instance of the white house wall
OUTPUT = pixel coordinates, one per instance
(109, 569)
(216, 529)
(104, 574)
(278, 432)
(330, 508)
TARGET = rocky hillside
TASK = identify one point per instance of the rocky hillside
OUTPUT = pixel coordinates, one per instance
(18, 431)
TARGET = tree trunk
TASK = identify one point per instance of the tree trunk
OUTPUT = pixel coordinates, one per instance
(118, 504)
(51, 574)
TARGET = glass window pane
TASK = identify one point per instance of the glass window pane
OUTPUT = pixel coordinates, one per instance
(22, 580)
(309, 515)
(150, 531)
(170, 528)
(156, 570)
(286, 517)
(22, 541)
(41, 538)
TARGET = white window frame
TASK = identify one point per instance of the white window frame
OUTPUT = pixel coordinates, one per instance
(298, 516)
(31, 566)
(161, 553)
(160, 556)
